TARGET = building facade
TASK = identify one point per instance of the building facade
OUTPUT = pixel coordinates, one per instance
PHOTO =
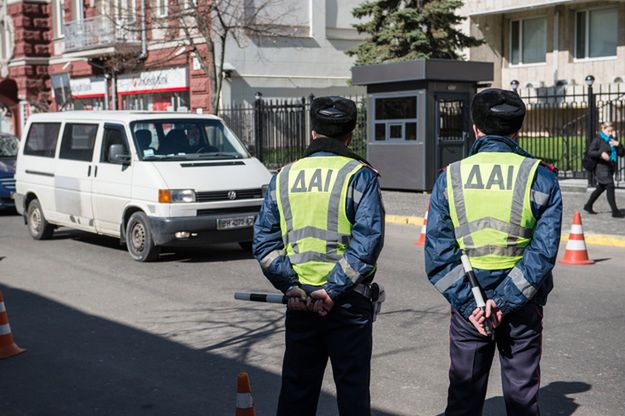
(103, 54)
(309, 59)
(549, 43)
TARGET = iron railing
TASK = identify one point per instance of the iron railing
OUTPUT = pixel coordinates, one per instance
(560, 122)
(99, 32)
(278, 130)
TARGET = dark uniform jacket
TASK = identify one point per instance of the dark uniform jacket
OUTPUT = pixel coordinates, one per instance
(442, 254)
(605, 169)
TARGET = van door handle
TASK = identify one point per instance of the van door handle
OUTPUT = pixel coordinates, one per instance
(95, 171)
(89, 171)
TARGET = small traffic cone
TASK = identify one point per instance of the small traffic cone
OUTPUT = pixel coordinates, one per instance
(8, 348)
(424, 228)
(245, 401)
(576, 252)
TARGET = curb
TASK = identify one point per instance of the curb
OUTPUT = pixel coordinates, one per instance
(607, 240)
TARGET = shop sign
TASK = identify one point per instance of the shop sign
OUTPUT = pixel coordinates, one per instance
(87, 87)
(165, 80)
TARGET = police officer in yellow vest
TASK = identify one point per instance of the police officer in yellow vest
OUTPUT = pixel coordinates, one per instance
(503, 209)
(317, 238)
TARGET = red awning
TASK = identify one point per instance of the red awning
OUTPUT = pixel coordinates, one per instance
(8, 92)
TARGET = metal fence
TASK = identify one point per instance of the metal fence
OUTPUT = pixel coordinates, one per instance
(278, 130)
(560, 122)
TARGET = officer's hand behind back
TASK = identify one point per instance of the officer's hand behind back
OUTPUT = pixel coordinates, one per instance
(298, 300)
(323, 303)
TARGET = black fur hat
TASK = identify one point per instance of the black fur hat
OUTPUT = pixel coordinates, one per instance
(497, 111)
(333, 116)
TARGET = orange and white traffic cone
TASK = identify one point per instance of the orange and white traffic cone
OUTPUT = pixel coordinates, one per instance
(576, 252)
(8, 348)
(245, 401)
(424, 228)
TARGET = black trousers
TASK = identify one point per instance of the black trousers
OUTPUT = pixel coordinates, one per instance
(519, 341)
(609, 187)
(345, 337)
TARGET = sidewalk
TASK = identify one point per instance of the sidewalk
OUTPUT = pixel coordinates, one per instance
(600, 229)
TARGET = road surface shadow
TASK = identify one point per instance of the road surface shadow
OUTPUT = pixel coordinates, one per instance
(553, 398)
(199, 254)
(80, 364)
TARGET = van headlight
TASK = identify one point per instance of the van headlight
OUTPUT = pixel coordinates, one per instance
(170, 196)
(264, 189)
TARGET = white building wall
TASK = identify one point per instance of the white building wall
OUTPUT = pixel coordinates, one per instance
(310, 60)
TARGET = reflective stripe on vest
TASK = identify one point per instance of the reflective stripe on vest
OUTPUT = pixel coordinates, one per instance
(311, 195)
(489, 199)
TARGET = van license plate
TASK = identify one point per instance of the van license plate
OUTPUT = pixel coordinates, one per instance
(238, 222)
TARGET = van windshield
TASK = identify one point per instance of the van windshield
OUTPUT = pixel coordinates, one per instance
(185, 139)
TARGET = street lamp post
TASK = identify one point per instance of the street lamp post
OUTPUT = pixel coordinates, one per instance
(514, 84)
(590, 119)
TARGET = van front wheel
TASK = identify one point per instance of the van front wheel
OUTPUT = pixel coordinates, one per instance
(139, 239)
(39, 228)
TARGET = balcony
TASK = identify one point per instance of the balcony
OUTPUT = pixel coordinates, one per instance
(101, 35)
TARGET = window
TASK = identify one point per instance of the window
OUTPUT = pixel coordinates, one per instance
(78, 141)
(188, 139)
(112, 135)
(41, 139)
(395, 118)
(528, 41)
(596, 33)
(59, 12)
(79, 10)
(6, 40)
(126, 12)
(161, 8)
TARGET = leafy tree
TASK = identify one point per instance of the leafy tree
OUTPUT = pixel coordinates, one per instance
(402, 30)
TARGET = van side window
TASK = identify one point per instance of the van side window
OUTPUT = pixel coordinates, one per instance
(78, 141)
(41, 139)
(112, 135)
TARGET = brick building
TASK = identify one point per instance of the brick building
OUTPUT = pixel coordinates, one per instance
(96, 49)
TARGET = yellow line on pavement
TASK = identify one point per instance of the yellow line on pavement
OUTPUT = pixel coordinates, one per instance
(404, 219)
(591, 239)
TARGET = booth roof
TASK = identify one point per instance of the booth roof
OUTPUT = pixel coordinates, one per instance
(423, 70)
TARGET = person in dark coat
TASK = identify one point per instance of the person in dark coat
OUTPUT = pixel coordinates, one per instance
(604, 150)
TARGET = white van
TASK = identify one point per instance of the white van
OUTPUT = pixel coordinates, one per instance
(150, 179)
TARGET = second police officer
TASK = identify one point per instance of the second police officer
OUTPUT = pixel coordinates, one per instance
(318, 237)
(503, 209)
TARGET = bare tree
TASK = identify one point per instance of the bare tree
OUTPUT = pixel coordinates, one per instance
(204, 27)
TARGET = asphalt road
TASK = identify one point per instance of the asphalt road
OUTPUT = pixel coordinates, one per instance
(109, 336)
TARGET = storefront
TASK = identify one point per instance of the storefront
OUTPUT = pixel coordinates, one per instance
(88, 93)
(161, 90)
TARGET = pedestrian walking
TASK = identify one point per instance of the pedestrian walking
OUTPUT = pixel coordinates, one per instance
(317, 237)
(503, 209)
(604, 151)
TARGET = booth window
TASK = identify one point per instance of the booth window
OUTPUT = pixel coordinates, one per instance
(596, 33)
(395, 118)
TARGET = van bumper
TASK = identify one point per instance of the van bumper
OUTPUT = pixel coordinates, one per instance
(203, 229)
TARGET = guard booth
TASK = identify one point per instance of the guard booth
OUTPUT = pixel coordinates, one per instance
(418, 117)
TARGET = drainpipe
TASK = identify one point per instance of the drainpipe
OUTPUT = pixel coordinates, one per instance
(144, 37)
(114, 90)
(556, 46)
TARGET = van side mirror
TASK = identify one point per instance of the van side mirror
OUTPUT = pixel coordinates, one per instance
(118, 154)
(251, 148)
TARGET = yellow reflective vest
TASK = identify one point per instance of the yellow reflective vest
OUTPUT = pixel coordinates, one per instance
(312, 195)
(489, 201)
